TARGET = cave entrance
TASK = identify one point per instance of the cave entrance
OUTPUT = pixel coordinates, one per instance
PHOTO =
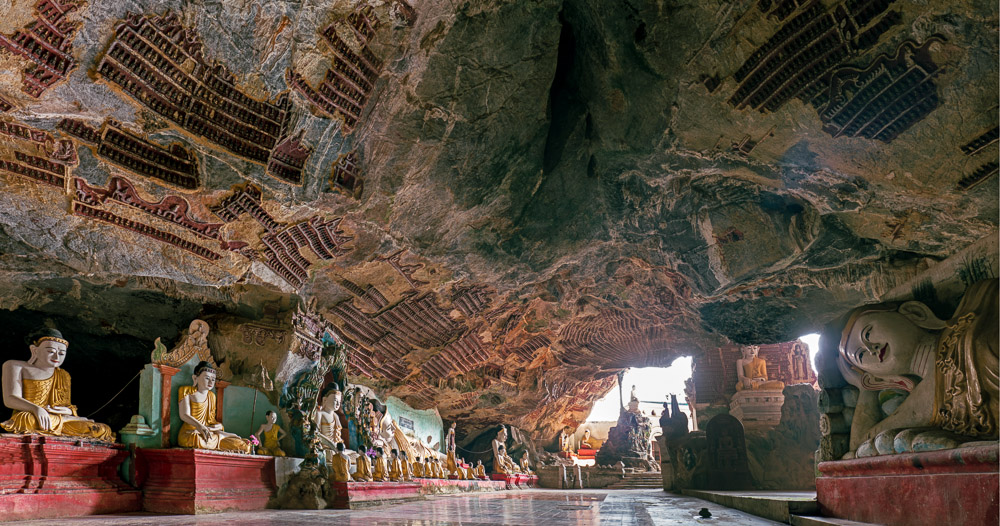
(653, 386)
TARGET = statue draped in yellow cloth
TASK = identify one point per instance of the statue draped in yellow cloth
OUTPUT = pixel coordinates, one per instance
(752, 371)
(340, 466)
(196, 404)
(364, 471)
(39, 393)
(270, 436)
(418, 469)
(381, 471)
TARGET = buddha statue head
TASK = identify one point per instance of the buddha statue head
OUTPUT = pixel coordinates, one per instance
(586, 435)
(271, 416)
(879, 343)
(48, 348)
(204, 377)
(330, 399)
(749, 351)
(502, 434)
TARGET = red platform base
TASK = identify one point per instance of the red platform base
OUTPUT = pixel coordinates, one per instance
(955, 486)
(567, 454)
(352, 495)
(44, 477)
(192, 481)
(517, 481)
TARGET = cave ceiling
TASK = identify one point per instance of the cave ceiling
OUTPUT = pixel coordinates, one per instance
(498, 204)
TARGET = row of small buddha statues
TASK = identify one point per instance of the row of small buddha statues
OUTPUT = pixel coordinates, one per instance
(397, 467)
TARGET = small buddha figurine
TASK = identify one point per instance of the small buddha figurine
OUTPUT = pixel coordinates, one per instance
(418, 469)
(340, 466)
(364, 471)
(459, 470)
(752, 371)
(438, 470)
(38, 391)
(196, 407)
(407, 467)
(452, 465)
(500, 464)
(381, 471)
(395, 466)
(526, 464)
(480, 470)
(270, 436)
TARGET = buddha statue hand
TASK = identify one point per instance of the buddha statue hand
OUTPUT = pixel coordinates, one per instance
(43, 418)
(59, 410)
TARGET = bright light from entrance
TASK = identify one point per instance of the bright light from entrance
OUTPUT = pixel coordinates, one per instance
(812, 341)
(652, 385)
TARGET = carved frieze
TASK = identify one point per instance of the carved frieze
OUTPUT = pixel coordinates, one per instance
(47, 44)
(35, 154)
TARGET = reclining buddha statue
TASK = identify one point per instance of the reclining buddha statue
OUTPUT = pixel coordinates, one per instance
(38, 391)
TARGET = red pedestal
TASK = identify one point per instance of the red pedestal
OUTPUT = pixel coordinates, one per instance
(192, 481)
(567, 454)
(955, 486)
(48, 477)
(351, 495)
(586, 453)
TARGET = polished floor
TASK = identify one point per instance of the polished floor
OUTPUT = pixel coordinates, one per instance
(526, 508)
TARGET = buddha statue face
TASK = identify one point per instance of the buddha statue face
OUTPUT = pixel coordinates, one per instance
(882, 343)
(48, 353)
(205, 381)
(272, 417)
(332, 401)
(749, 351)
(586, 434)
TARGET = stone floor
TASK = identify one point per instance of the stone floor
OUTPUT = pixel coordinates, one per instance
(527, 507)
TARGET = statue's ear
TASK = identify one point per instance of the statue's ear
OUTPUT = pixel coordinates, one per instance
(921, 315)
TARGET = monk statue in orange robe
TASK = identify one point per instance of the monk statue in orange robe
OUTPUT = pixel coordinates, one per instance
(39, 393)
(752, 371)
(196, 407)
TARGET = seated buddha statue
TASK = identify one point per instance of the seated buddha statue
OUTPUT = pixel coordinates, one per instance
(526, 464)
(407, 466)
(196, 408)
(564, 442)
(270, 436)
(381, 471)
(38, 391)
(588, 442)
(395, 466)
(327, 422)
(949, 369)
(418, 469)
(499, 465)
(364, 471)
(480, 470)
(340, 466)
(752, 371)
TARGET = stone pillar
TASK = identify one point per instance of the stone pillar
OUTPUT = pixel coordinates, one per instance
(579, 478)
(563, 483)
(166, 378)
(220, 388)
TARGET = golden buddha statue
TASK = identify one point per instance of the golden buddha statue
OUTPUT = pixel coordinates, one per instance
(196, 407)
(526, 464)
(395, 467)
(340, 466)
(480, 470)
(752, 371)
(364, 471)
(949, 369)
(270, 436)
(451, 464)
(564, 443)
(438, 469)
(418, 469)
(381, 471)
(588, 442)
(38, 392)
(407, 467)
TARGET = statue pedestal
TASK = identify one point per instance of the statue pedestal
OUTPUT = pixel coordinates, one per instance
(516, 481)
(353, 495)
(953, 486)
(193, 481)
(44, 477)
(586, 453)
(757, 407)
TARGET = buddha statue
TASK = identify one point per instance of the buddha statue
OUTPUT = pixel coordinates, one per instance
(38, 391)
(752, 371)
(526, 464)
(381, 471)
(327, 422)
(633, 401)
(948, 369)
(395, 466)
(564, 445)
(588, 442)
(502, 464)
(450, 441)
(270, 434)
(480, 470)
(498, 444)
(407, 466)
(418, 469)
(196, 408)
(340, 466)
(364, 471)
(438, 469)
